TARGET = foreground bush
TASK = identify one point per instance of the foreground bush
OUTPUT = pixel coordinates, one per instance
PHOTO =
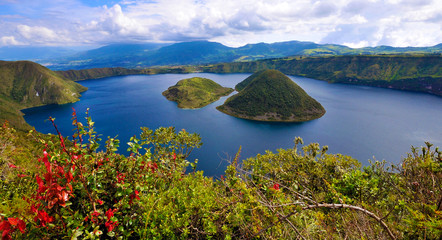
(70, 190)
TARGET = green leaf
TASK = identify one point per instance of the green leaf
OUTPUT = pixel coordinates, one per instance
(76, 234)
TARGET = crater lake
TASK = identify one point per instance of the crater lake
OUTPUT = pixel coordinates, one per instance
(364, 122)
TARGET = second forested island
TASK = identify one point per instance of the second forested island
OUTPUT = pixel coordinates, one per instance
(196, 92)
(269, 95)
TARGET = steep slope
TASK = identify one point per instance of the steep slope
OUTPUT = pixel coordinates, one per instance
(421, 73)
(196, 92)
(27, 84)
(269, 95)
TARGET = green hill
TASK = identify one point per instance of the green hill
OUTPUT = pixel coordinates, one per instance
(196, 92)
(26, 84)
(269, 95)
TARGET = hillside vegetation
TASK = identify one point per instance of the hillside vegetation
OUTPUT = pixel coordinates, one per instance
(414, 73)
(52, 187)
(269, 95)
(26, 84)
(196, 92)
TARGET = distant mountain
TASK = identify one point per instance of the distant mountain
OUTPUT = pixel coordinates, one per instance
(205, 52)
(269, 95)
(27, 84)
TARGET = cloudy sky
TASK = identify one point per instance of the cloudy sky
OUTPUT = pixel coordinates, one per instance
(356, 23)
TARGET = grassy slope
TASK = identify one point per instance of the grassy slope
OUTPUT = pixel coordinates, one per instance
(26, 84)
(196, 92)
(271, 96)
(416, 73)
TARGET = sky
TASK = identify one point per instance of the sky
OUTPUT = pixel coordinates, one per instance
(355, 23)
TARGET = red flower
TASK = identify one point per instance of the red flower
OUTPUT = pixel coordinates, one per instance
(120, 177)
(100, 202)
(152, 166)
(132, 196)
(22, 175)
(110, 225)
(94, 217)
(276, 186)
(99, 163)
(12, 165)
(174, 156)
(110, 213)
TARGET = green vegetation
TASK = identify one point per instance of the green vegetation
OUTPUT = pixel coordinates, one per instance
(26, 84)
(55, 188)
(269, 95)
(414, 73)
(196, 92)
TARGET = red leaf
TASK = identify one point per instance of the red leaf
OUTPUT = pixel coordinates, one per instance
(13, 221)
(21, 226)
(70, 187)
(5, 226)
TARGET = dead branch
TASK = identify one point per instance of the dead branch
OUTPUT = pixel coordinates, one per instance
(335, 206)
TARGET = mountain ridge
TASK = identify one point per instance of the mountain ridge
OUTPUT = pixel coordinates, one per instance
(206, 52)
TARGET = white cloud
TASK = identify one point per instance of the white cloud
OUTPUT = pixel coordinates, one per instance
(232, 22)
(8, 40)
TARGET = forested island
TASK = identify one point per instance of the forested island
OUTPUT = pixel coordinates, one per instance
(196, 92)
(269, 95)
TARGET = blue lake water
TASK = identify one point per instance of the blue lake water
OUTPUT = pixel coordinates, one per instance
(363, 122)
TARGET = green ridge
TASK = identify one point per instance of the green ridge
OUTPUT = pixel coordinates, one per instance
(422, 73)
(269, 95)
(196, 92)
